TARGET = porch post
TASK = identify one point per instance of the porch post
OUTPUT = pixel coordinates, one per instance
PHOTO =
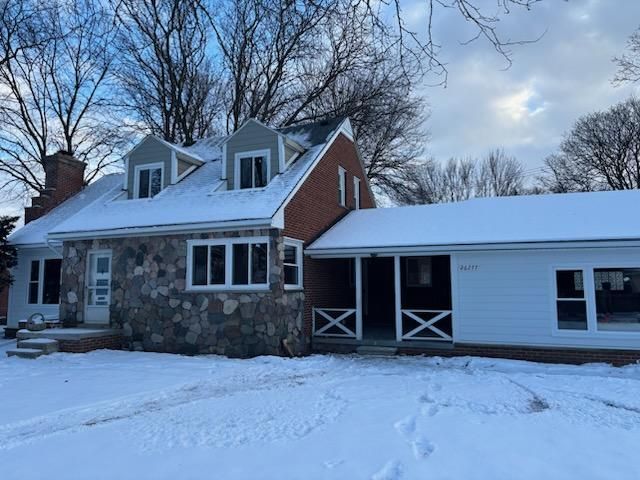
(398, 297)
(358, 266)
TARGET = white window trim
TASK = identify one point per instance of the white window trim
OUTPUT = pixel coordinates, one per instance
(228, 265)
(342, 186)
(299, 244)
(41, 261)
(136, 177)
(266, 153)
(590, 299)
(356, 193)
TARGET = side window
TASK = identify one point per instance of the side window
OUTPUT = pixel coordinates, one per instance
(34, 282)
(356, 193)
(571, 304)
(292, 264)
(342, 186)
(148, 180)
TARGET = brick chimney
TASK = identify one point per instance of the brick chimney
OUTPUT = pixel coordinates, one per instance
(63, 178)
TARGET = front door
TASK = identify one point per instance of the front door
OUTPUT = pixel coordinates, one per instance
(98, 287)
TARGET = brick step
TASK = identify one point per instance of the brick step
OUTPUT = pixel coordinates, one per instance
(25, 352)
(47, 345)
(374, 350)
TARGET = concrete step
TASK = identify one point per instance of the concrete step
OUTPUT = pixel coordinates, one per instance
(25, 352)
(375, 350)
(47, 345)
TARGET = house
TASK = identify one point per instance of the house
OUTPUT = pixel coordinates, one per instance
(267, 242)
(541, 277)
(193, 249)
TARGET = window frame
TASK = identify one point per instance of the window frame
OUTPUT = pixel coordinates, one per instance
(136, 178)
(356, 192)
(298, 244)
(237, 158)
(228, 284)
(590, 299)
(417, 258)
(342, 186)
(40, 282)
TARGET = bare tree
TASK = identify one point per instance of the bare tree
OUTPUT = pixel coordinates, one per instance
(166, 76)
(629, 62)
(499, 175)
(55, 96)
(495, 175)
(601, 152)
(21, 28)
(483, 17)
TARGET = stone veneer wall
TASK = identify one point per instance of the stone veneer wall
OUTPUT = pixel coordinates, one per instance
(156, 313)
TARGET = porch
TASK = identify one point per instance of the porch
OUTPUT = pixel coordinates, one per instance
(385, 301)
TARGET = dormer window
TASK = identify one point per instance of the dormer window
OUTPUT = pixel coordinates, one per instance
(148, 180)
(252, 169)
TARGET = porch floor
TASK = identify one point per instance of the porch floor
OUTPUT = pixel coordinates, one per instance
(75, 333)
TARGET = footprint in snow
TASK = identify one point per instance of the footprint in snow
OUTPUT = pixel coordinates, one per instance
(406, 427)
(429, 410)
(392, 470)
(422, 447)
(426, 398)
(331, 464)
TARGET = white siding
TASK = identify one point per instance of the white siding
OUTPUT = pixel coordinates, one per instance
(19, 309)
(508, 298)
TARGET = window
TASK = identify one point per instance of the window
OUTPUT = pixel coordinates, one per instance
(571, 303)
(51, 282)
(356, 193)
(617, 298)
(34, 282)
(228, 263)
(252, 169)
(418, 271)
(45, 273)
(342, 186)
(148, 180)
(292, 264)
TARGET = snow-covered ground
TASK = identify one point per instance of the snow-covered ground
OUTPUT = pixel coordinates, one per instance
(122, 415)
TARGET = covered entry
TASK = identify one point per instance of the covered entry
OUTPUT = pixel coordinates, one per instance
(390, 299)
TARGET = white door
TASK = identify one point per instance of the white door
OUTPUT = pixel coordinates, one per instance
(98, 287)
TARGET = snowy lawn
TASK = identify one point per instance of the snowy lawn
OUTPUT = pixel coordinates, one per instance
(123, 415)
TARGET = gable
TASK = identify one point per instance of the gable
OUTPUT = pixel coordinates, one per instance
(149, 151)
(252, 137)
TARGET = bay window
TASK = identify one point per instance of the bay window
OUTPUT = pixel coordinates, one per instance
(239, 263)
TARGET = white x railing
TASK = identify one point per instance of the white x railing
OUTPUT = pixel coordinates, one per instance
(423, 325)
(334, 317)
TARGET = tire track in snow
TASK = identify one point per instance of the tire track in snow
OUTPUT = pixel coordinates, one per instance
(76, 419)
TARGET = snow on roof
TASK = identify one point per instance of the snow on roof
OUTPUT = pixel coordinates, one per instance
(207, 149)
(309, 134)
(192, 201)
(535, 218)
(35, 232)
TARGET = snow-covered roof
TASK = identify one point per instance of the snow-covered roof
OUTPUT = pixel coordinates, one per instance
(199, 200)
(35, 232)
(595, 216)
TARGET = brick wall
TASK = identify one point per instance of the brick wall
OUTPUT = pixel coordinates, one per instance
(313, 209)
(64, 177)
(111, 342)
(573, 356)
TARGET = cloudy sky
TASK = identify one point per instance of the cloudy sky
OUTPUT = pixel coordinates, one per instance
(526, 108)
